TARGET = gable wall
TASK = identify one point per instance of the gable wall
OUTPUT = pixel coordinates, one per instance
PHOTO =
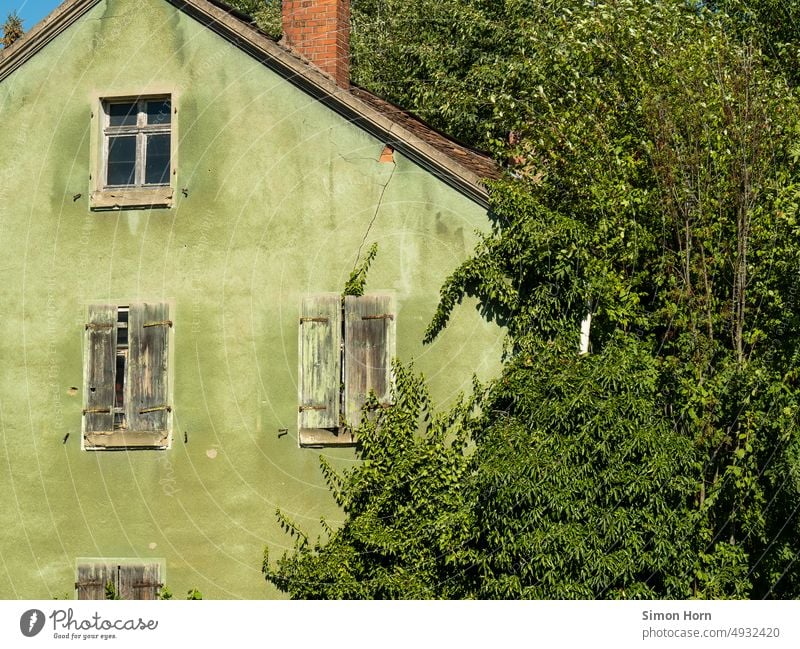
(281, 194)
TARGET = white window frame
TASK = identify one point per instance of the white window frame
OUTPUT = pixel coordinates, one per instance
(138, 195)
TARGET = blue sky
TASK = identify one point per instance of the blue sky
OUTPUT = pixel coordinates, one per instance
(31, 11)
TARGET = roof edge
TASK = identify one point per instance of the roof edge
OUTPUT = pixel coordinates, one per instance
(32, 41)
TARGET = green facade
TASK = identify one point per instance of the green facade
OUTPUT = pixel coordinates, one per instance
(277, 195)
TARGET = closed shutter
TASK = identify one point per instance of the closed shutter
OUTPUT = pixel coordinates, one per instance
(99, 372)
(92, 580)
(139, 581)
(369, 345)
(320, 361)
(149, 409)
(130, 580)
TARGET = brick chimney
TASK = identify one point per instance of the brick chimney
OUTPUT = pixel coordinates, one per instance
(319, 30)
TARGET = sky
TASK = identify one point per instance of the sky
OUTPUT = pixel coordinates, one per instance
(31, 11)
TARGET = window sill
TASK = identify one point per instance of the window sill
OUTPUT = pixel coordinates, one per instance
(326, 437)
(135, 198)
(119, 439)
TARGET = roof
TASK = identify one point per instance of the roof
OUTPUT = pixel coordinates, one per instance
(457, 165)
(480, 163)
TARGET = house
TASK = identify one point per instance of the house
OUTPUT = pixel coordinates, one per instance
(182, 200)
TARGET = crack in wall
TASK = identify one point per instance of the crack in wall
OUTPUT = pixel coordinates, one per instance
(375, 215)
(351, 159)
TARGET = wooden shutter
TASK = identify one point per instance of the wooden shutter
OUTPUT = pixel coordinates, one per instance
(130, 580)
(369, 345)
(92, 580)
(100, 362)
(148, 407)
(320, 361)
(139, 581)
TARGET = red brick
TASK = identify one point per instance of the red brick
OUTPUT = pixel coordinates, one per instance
(319, 30)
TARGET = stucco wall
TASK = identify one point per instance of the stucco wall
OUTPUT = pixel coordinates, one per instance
(281, 196)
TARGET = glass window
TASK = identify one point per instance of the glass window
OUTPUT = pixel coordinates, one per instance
(122, 114)
(158, 112)
(157, 160)
(121, 160)
(138, 142)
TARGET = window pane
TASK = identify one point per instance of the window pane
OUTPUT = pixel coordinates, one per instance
(122, 114)
(157, 166)
(158, 112)
(121, 160)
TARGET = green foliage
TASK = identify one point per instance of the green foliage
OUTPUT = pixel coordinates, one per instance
(581, 486)
(357, 281)
(429, 57)
(194, 594)
(111, 591)
(774, 25)
(665, 196)
(265, 13)
(12, 29)
(165, 593)
(529, 273)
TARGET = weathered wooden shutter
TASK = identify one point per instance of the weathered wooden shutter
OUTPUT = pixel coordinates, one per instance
(99, 372)
(139, 581)
(320, 361)
(369, 345)
(92, 580)
(148, 408)
(130, 580)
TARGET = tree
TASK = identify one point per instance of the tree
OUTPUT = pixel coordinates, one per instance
(12, 29)
(265, 13)
(665, 196)
(774, 25)
(580, 485)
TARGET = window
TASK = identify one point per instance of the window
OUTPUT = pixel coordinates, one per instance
(136, 152)
(137, 143)
(346, 348)
(126, 379)
(118, 579)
